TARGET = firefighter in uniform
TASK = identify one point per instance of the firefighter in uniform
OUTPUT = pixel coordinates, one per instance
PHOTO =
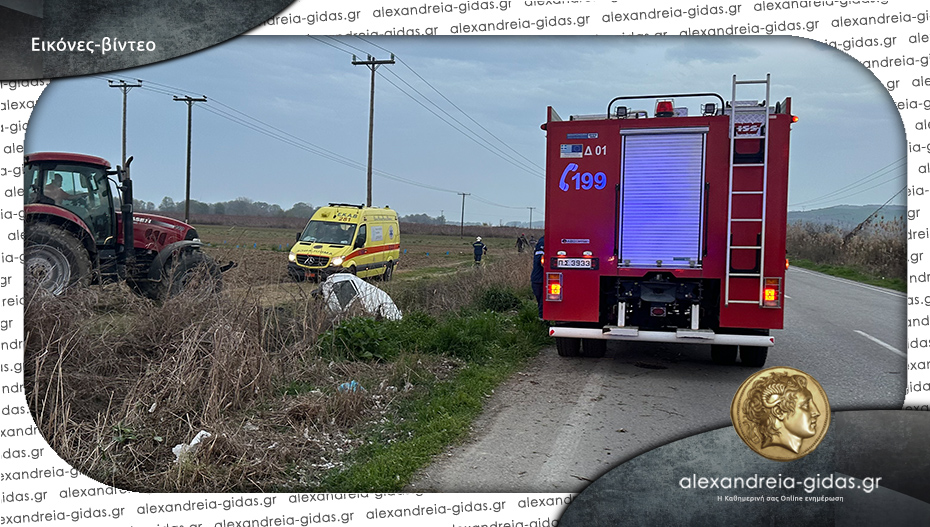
(480, 249)
(536, 279)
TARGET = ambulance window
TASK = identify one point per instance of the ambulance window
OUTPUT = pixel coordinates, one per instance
(362, 236)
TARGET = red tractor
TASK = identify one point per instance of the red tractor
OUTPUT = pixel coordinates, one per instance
(80, 229)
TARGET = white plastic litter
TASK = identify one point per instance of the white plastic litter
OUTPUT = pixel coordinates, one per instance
(182, 451)
(343, 291)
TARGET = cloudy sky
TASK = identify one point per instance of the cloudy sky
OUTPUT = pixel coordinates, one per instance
(287, 117)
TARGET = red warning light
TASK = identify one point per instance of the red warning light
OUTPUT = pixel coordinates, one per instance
(665, 108)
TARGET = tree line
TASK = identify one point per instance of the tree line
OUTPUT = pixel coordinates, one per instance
(249, 207)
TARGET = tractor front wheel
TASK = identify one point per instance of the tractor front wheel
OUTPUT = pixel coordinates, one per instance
(191, 271)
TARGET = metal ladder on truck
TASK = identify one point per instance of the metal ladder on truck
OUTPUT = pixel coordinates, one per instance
(743, 117)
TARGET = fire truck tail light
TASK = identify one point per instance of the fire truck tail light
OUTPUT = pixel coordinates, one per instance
(794, 118)
(554, 287)
(771, 292)
(665, 108)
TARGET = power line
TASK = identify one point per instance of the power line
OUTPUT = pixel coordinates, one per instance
(835, 194)
(278, 134)
(399, 59)
(487, 144)
(477, 139)
(460, 131)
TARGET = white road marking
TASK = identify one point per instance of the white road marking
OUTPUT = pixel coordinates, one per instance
(557, 469)
(882, 344)
(850, 282)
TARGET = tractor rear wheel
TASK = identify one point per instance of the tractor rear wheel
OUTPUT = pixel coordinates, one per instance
(54, 259)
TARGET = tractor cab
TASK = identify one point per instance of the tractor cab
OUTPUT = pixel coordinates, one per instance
(78, 184)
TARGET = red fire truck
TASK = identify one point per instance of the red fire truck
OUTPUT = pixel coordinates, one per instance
(668, 227)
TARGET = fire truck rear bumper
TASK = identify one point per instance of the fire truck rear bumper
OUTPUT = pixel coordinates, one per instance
(686, 336)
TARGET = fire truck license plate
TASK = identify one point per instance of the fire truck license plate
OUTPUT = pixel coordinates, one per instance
(573, 263)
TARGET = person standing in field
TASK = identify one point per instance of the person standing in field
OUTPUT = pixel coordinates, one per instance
(522, 243)
(480, 250)
(536, 278)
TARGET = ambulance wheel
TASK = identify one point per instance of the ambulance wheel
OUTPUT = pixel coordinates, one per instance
(388, 272)
(753, 356)
(593, 348)
(353, 271)
(567, 347)
(723, 354)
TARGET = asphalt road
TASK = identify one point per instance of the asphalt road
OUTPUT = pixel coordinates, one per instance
(562, 422)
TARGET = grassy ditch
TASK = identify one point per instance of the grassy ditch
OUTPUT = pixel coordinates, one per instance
(293, 398)
(850, 273)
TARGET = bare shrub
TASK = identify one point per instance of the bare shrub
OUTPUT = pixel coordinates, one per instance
(879, 249)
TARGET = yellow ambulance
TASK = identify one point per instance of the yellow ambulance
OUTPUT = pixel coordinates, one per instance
(364, 241)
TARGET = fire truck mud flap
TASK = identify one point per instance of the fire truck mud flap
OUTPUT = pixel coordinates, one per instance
(683, 336)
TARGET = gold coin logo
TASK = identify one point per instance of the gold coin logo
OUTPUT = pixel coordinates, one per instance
(781, 413)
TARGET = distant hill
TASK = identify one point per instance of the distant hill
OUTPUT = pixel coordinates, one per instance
(845, 215)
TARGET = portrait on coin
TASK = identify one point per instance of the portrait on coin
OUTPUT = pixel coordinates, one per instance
(779, 410)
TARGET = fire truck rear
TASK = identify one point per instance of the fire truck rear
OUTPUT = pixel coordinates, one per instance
(668, 227)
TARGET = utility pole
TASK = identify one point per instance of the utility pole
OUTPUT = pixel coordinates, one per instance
(531, 216)
(125, 89)
(187, 200)
(462, 233)
(372, 65)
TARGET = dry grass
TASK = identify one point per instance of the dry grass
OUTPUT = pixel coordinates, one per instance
(880, 249)
(115, 381)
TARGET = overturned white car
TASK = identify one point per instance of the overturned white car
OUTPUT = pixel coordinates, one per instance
(344, 292)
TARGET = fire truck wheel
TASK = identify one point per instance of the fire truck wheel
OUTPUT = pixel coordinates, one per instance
(567, 347)
(54, 259)
(753, 356)
(593, 348)
(192, 271)
(722, 354)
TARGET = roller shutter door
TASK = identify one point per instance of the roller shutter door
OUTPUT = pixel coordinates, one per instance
(661, 205)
